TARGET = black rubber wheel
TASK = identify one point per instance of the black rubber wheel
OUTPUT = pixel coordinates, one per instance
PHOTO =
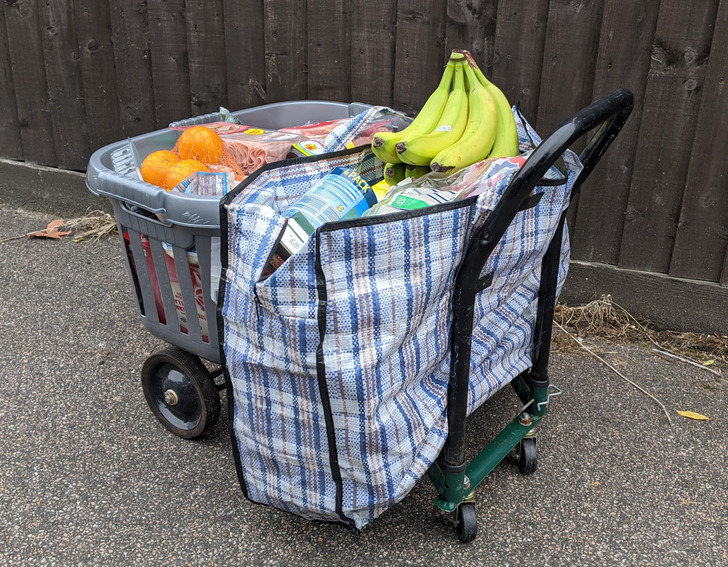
(527, 456)
(466, 523)
(181, 392)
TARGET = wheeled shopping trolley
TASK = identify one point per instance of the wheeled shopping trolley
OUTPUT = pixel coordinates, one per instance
(455, 479)
(351, 370)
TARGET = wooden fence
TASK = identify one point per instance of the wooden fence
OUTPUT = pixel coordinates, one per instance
(77, 74)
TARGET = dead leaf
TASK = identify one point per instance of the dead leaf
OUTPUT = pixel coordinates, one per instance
(694, 415)
(53, 230)
(709, 363)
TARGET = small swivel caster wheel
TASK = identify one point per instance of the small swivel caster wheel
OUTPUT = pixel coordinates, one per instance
(527, 456)
(466, 523)
(181, 392)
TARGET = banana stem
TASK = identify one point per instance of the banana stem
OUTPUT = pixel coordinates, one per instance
(459, 54)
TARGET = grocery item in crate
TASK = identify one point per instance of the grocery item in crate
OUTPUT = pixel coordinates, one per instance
(206, 145)
(317, 130)
(221, 128)
(307, 148)
(211, 183)
(147, 251)
(196, 277)
(342, 194)
(255, 147)
(198, 149)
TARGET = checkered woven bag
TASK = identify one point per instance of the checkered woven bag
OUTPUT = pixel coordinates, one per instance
(338, 363)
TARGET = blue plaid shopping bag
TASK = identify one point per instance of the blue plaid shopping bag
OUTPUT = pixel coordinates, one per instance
(338, 363)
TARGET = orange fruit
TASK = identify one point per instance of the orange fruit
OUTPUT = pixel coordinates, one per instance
(200, 143)
(155, 167)
(182, 170)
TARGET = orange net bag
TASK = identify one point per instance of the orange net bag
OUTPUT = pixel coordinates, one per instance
(200, 143)
(205, 145)
(156, 166)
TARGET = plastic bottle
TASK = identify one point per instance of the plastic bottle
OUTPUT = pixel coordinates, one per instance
(342, 194)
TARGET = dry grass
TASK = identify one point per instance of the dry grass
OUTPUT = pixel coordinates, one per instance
(604, 318)
(94, 225)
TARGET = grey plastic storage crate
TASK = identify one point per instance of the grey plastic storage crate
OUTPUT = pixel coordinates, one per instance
(172, 240)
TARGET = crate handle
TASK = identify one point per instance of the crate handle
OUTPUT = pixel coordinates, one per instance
(157, 216)
(117, 188)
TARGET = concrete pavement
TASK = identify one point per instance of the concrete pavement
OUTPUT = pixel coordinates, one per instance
(89, 477)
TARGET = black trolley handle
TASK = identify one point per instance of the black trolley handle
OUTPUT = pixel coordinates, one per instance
(608, 115)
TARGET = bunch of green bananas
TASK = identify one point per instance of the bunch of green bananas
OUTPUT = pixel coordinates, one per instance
(465, 120)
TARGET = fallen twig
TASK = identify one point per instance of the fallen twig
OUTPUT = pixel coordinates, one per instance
(686, 360)
(617, 372)
(4, 240)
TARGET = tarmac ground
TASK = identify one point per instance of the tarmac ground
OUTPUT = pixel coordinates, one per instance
(89, 477)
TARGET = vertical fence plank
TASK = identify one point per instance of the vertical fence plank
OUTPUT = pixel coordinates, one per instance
(471, 25)
(93, 32)
(130, 34)
(703, 222)
(373, 44)
(206, 45)
(329, 50)
(10, 142)
(170, 72)
(517, 63)
(29, 81)
(672, 99)
(285, 50)
(567, 75)
(603, 200)
(65, 89)
(245, 53)
(572, 40)
(420, 53)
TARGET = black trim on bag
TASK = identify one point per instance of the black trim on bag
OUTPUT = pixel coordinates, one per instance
(320, 367)
(283, 163)
(224, 229)
(393, 217)
(323, 387)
